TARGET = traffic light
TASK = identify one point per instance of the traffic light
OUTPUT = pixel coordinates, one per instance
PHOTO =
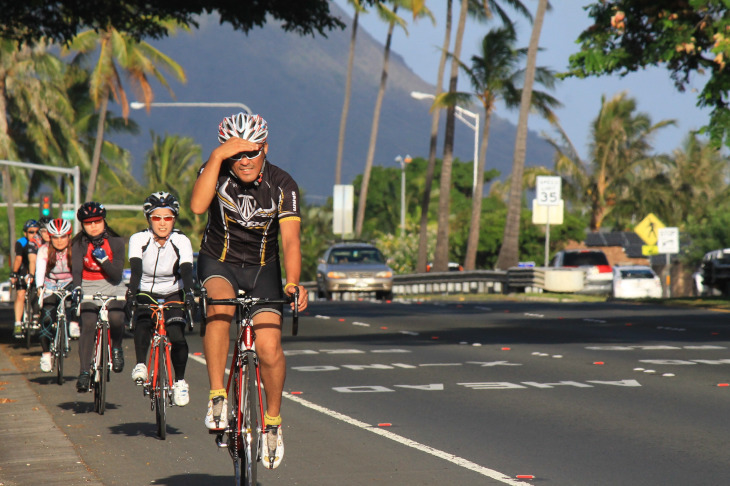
(46, 205)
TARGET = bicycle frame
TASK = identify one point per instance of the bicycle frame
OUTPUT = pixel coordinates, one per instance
(158, 390)
(101, 361)
(60, 344)
(241, 432)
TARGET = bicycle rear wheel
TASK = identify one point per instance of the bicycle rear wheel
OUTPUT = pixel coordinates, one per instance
(251, 415)
(102, 372)
(161, 391)
(60, 351)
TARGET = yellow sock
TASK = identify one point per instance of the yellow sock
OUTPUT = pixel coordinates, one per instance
(268, 420)
(218, 393)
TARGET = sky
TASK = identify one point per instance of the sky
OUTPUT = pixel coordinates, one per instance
(581, 98)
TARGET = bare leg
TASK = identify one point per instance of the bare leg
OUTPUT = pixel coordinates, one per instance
(271, 355)
(218, 322)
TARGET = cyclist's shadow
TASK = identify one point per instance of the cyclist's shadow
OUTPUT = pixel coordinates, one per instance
(194, 480)
(135, 429)
(84, 406)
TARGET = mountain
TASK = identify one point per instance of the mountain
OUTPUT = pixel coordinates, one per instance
(297, 84)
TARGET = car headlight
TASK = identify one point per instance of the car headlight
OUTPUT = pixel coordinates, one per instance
(336, 275)
(384, 274)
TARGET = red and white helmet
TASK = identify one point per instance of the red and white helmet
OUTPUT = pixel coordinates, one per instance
(248, 127)
(58, 227)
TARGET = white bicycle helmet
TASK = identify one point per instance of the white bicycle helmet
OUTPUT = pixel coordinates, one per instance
(58, 227)
(248, 127)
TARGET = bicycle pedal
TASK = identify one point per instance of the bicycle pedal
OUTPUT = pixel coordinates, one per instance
(220, 439)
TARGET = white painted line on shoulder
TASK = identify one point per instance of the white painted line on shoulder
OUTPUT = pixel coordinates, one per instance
(459, 461)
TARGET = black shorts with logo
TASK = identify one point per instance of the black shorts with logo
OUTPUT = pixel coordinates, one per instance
(256, 281)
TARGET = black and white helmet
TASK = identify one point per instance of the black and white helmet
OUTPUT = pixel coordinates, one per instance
(161, 199)
(248, 127)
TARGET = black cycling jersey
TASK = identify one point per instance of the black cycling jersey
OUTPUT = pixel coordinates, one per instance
(25, 247)
(243, 219)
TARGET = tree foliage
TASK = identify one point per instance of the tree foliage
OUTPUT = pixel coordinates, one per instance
(688, 38)
(61, 20)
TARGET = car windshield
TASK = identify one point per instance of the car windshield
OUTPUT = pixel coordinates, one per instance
(346, 256)
(585, 258)
(637, 273)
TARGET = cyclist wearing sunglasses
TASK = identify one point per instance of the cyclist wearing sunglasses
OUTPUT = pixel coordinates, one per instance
(52, 272)
(97, 266)
(249, 202)
(161, 259)
(26, 248)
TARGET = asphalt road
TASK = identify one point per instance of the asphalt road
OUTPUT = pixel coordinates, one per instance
(425, 394)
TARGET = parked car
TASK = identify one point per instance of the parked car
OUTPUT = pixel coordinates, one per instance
(5, 288)
(636, 282)
(453, 267)
(354, 267)
(598, 272)
(716, 272)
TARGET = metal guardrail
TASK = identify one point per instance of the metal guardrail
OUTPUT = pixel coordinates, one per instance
(466, 282)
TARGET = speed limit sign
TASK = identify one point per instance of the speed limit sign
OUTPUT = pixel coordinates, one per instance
(548, 190)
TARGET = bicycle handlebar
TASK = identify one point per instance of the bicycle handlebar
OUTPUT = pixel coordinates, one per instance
(161, 305)
(247, 301)
(105, 299)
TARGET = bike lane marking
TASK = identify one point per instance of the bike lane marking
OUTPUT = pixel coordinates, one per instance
(459, 461)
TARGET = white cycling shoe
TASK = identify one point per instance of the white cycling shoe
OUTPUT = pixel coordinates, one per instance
(272, 446)
(217, 416)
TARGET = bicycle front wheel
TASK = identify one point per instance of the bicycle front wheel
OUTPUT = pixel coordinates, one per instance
(60, 351)
(102, 371)
(161, 392)
(28, 319)
(251, 428)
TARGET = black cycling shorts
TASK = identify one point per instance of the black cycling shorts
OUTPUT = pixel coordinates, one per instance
(256, 281)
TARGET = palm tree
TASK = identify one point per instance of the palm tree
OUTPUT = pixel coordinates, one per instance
(619, 159)
(392, 18)
(441, 254)
(34, 110)
(348, 90)
(423, 234)
(508, 253)
(119, 51)
(495, 75)
(482, 11)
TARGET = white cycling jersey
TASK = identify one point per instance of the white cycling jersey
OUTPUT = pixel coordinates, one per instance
(161, 264)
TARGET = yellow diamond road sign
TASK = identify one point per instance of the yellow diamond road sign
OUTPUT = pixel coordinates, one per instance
(648, 229)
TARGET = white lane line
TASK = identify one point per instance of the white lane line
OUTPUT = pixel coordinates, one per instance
(459, 461)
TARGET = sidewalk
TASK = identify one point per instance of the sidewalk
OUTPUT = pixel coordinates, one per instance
(33, 450)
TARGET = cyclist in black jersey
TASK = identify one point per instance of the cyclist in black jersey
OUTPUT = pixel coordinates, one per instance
(250, 202)
(21, 276)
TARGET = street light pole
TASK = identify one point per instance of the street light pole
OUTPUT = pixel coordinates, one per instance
(461, 114)
(136, 105)
(403, 161)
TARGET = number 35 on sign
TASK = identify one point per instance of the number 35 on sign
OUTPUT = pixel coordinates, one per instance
(548, 190)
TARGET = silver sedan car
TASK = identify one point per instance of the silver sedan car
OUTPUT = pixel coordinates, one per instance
(354, 267)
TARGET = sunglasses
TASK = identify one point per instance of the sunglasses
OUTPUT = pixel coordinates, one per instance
(157, 218)
(249, 155)
(62, 237)
(32, 232)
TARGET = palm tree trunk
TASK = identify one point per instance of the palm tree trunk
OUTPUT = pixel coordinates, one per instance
(362, 201)
(441, 255)
(346, 104)
(472, 242)
(96, 159)
(421, 261)
(508, 253)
